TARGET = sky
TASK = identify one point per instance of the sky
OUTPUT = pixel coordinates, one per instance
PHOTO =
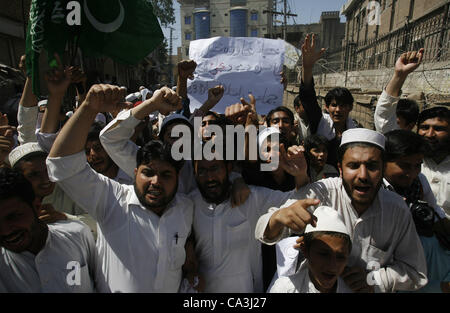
(308, 12)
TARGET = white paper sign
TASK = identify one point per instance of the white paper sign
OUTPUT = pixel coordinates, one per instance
(242, 65)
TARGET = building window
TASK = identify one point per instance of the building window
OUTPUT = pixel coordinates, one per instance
(254, 16)
(187, 52)
(226, 30)
(254, 33)
(187, 36)
(187, 20)
(238, 3)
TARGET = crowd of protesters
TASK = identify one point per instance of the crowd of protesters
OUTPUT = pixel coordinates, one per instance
(96, 201)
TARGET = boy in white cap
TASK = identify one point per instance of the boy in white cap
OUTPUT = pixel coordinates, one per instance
(384, 239)
(326, 248)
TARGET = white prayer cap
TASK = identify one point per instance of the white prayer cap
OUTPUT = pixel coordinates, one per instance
(42, 103)
(363, 135)
(145, 92)
(266, 132)
(171, 117)
(69, 114)
(23, 150)
(133, 96)
(328, 219)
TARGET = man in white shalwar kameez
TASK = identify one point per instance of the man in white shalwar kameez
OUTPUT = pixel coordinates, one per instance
(144, 227)
(229, 257)
(385, 242)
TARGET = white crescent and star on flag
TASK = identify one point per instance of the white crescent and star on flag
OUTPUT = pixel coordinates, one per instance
(105, 27)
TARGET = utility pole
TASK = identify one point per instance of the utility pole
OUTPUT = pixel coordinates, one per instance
(170, 55)
(285, 21)
(274, 12)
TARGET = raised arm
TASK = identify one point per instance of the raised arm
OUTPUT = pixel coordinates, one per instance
(28, 110)
(6, 142)
(294, 163)
(72, 138)
(407, 63)
(307, 94)
(58, 80)
(115, 137)
(186, 70)
(385, 117)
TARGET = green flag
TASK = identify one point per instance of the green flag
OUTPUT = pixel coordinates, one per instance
(124, 30)
(47, 31)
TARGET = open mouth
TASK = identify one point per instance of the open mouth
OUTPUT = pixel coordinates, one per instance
(14, 239)
(328, 276)
(362, 189)
(154, 194)
(212, 187)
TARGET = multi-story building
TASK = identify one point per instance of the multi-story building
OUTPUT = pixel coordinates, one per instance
(251, 18)
(228, 18)
(378, 31)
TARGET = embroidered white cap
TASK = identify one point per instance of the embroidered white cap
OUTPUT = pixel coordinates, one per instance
(363, 135)
(42, 103)
(328, 219)
(266, 132)
(171, 117)
(23, 150)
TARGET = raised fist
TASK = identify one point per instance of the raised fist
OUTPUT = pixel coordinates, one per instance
(106, 98)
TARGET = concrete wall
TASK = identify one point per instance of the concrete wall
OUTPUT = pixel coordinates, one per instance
(428, 78)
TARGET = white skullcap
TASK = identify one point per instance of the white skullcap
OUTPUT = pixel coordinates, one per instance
(266, 132)
(42, 103)
(23, 150)
(171, 117)
(328, 219)
(133, 96)
(145, 92)
(363, 135)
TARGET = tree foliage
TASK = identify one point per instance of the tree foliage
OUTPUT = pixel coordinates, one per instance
(164, 10)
